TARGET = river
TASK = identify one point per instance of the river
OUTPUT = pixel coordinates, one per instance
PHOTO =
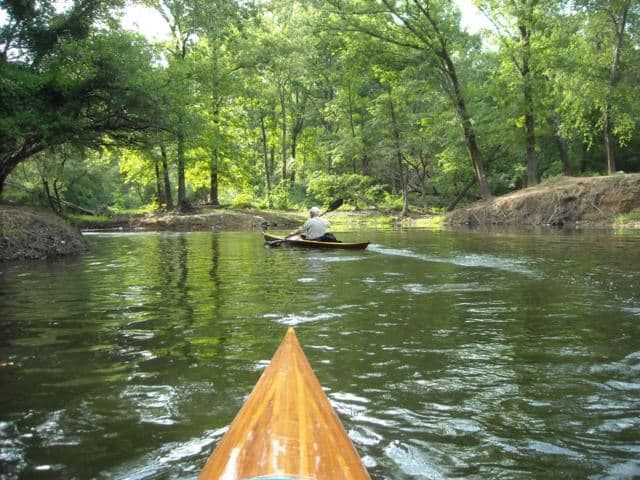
(446, 354)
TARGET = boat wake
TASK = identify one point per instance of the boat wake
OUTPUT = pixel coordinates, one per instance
(470, 260)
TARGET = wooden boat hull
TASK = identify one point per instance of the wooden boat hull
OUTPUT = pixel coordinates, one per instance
(300, 242)
(286, 429)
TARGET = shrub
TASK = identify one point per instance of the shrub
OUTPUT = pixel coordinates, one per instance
(242, 200)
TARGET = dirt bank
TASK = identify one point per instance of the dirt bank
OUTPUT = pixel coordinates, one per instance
(29, 233)
(214, 220)
(591, 201)
(32, 233)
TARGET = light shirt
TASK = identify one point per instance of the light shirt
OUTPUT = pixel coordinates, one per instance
(315, 227)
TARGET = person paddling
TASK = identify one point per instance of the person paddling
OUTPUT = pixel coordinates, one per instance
(315, 228)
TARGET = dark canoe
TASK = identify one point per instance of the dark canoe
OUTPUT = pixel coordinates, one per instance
(299, 242)
(286, 429)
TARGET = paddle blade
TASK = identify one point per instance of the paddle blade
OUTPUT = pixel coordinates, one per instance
(335, 205)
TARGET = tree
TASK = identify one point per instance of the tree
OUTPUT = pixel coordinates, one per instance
(517, 24)
(220, 22)
(432, 29)
(616, 15)
(591, 89)
(64, 80)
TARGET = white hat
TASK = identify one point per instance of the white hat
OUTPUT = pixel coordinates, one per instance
(314, 211)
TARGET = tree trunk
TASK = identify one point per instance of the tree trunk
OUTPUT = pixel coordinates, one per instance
(182, 186)
(529, 120)
(468, 131)
(56, 192)
(159, 192)
(272, 159)
(10, 161)
(563, 147)
(215, 158)
(353, 129)
(213, 186)
(608, 140)
(265, 157)
(460, 195)
(294, 140)
(50, 199)
(167, 181)
(366, 161)
(296, 130)
(476, 160)
(613, 80)
(401, 168)
(283, 112)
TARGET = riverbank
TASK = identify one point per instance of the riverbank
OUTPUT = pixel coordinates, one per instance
(612, 201)
(561, 201)
(28, 233)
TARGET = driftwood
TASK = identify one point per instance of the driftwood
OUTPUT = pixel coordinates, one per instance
(78, 209)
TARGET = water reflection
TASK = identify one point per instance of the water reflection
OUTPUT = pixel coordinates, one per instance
(446, 354)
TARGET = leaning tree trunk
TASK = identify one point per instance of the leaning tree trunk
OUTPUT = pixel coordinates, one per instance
(265, 159)
(9, 161)
(461, 195)
(469, 132)
(296, 129)
(476, 159)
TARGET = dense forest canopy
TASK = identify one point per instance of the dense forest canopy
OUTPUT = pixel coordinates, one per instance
(275, 103)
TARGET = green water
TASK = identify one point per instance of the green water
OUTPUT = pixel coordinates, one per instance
(446, 354)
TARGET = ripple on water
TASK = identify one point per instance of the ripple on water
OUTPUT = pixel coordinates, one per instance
(296, 319)
(619, 425)
(54, 432)
(172, 460)
(548, 448)
(307, 280)
(623, 471)
(12, 450)
(155, 404)
(365, 435)
(338, 258)
(417, 288)
(412, 460)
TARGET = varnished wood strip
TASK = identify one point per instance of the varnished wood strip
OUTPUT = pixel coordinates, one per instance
(286, 427)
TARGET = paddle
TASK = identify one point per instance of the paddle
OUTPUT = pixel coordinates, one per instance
(334, 206)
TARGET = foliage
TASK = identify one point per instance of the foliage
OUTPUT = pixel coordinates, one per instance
(324, 188)
(66, 82)
(242, 200)
(283, 104)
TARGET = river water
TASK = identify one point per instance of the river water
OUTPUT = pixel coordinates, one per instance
(446, 354)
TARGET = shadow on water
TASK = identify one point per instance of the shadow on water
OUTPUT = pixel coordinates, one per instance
(446, 354)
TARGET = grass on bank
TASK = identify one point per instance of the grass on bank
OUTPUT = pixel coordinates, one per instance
(630, 218)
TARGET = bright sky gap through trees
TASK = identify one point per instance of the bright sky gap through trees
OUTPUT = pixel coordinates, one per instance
(148, 22)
